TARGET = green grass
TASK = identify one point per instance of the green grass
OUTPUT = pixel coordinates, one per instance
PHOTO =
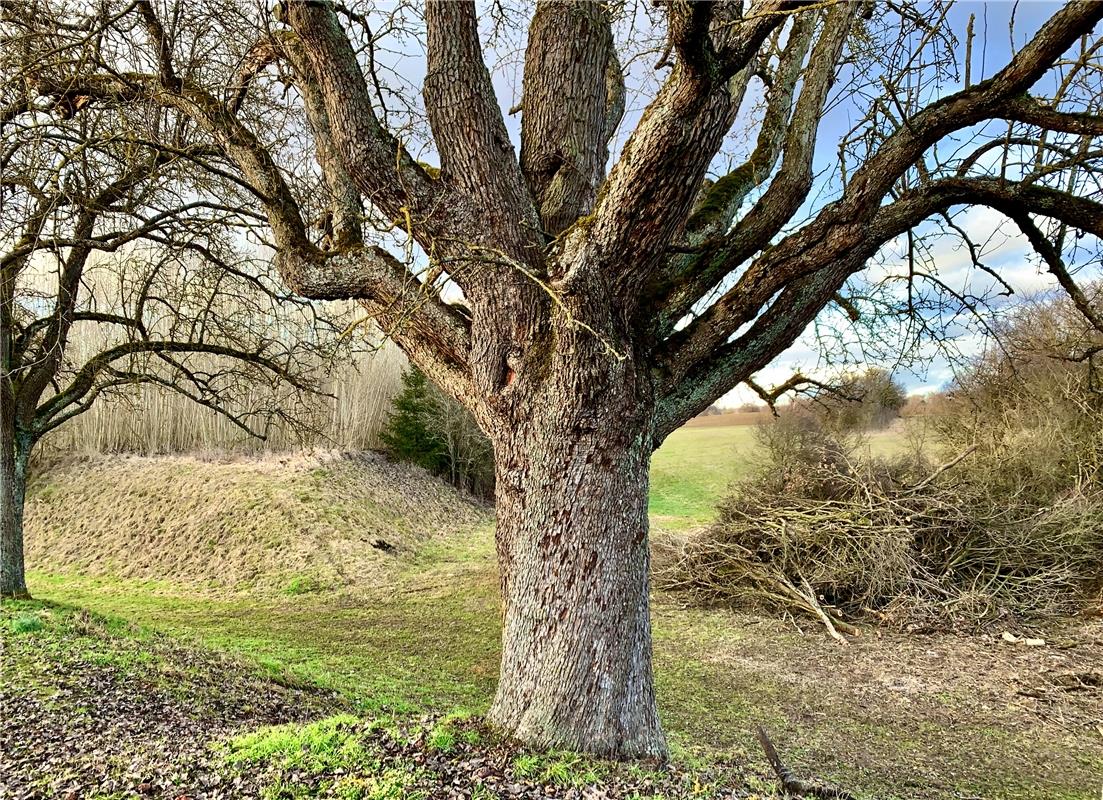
(442, 738)
(430, 643)
(303, 584)
(692, 470)
(408, 651)
(333, 746)
(428, 640)
(26, 623)
(321, 746)
(558, 768)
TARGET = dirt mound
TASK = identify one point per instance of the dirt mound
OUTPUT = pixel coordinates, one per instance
(293, 522)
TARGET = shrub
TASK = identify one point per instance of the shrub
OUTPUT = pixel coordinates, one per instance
(430, 429)
(870, 399)
(879, 403)
(1033, 408)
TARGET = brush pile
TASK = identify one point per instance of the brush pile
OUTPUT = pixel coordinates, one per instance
(842, 539)
(1010, 524)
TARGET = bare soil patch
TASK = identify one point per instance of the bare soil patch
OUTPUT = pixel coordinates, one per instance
(931, 715)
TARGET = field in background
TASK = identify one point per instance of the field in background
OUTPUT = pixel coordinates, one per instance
(729, 418)
(692, 470)
(696, 464)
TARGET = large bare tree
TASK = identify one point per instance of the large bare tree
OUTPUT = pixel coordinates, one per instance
(606, 305)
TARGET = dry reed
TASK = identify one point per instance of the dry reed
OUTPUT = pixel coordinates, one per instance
(349, 412)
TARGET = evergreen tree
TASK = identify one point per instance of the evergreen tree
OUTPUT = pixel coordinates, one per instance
(408, 435)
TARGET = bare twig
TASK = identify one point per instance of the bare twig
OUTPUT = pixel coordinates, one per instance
(789, 782)
(942, 468)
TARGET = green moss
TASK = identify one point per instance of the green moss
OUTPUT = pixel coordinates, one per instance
(389, 785)
(122, 659)
(717, 199)
(337, 746)
(560, 768)
(303, 584)
(442, 738)
(27, 624)
(325, 746)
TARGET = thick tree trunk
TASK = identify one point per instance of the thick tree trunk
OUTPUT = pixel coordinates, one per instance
(572, 539)
(14, 453)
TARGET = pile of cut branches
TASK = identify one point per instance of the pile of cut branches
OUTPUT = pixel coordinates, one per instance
(901, 543)
(1010, 524)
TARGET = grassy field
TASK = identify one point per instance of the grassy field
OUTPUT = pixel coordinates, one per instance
(696, 464)
(692, 470)
(891, 716)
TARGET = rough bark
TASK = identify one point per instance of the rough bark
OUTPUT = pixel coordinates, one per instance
(572, 481)
(14, 452)
(567, 116)
(13, 461)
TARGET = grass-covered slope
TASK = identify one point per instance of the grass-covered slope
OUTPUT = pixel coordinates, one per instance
(890, 716)
(297, 523)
